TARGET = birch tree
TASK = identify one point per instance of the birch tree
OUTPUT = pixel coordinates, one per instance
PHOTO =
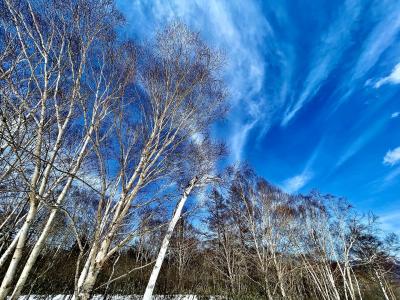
(200, 161)
(45, 88)
(178, 96)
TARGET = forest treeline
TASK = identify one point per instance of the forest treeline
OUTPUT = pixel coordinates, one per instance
(110, 180)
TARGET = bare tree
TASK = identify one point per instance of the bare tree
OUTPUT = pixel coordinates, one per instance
(225, 244)
(45, 87)
(179, 96)
(103, 146)
(184, 250)
(199, 161)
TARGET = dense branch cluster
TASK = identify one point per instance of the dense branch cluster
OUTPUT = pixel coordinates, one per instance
(106, 158)
(274, 245)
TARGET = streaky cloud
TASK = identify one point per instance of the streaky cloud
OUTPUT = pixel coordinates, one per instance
(238, 29)
(360, 142)
(381, 38)
(333, 44)
(391, 176)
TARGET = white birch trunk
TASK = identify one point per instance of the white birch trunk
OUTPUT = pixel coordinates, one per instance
(382, 285)
(86, 288)
(12, 268)
(33, 257)
(164, 246)
(99, 254)
(85, 269)
(23, 234)
(43, 236)
(9, 249)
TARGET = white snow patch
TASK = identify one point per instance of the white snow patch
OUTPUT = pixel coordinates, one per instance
(117, 297)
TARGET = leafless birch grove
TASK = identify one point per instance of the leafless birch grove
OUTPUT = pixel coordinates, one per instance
(111, 182)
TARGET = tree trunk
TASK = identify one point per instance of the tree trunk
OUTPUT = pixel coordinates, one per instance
(9, 250)
(43, 236)
(12, 268)
(164, 246)
(87, 287)
(33, 257)
(382, 285)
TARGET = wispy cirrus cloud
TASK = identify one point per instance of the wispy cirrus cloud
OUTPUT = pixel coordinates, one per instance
(297, 182)
(360, 142)
(392, 157)
(391, 176)
(381, 38)
(326, 56)
(330, 51)
(278, 59)
(238, 29)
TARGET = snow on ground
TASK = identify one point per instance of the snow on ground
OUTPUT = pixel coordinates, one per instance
(114, 297)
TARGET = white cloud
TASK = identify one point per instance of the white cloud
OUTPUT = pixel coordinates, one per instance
(392, 78)
(239, 28)
(295, 183)
(392, 157)
(239, 138)
(242, 30)
(395, 114)
(326, 56)
(390, 221)
(381, 38)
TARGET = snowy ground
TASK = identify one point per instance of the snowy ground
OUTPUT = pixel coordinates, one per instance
(115, 297)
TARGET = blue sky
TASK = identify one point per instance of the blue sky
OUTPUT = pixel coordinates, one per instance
(314, 90)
